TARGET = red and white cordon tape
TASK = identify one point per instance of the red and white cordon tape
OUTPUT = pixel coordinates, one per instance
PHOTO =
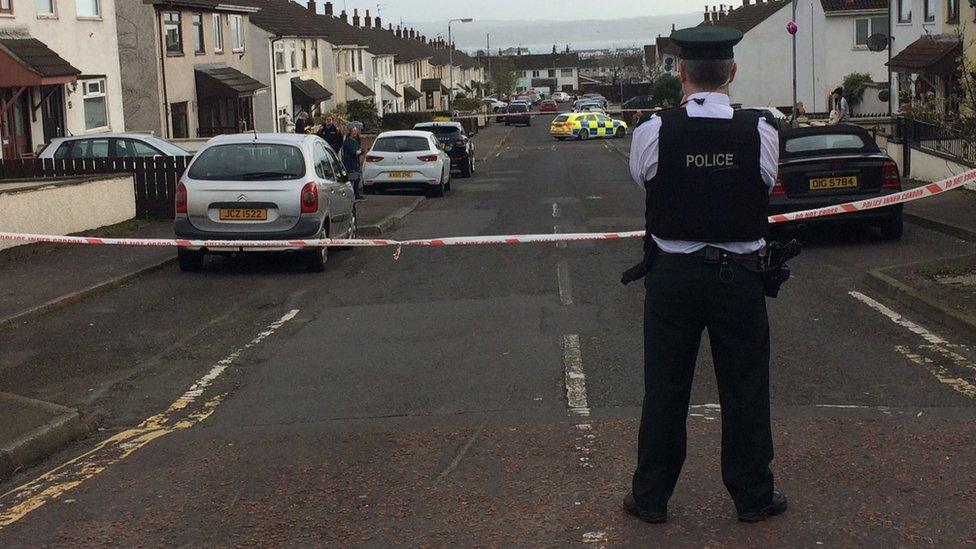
(930, 189)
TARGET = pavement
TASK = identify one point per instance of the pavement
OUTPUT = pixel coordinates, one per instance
(953, 212)
(423, 400)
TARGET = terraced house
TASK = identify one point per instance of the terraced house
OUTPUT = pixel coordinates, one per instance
(59, 72)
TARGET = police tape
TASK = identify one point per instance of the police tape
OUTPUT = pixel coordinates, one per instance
(927, 190)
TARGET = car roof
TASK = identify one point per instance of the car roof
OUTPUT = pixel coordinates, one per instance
(265, 138)
(849, 129)
(438, 125)
(404, 133)
(131, 135)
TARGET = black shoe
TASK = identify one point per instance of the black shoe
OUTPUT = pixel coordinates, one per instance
(776, 507)
(632, 508)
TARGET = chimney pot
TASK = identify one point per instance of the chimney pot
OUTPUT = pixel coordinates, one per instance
(399, 32)
(344, 16)
(328, 9)
(355, 17)
(379, 24)
(368, 20)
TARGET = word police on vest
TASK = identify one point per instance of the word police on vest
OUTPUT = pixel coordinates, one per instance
(710, 160)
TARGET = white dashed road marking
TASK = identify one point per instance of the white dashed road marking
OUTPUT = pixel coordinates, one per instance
(565, 286)
(575, 378)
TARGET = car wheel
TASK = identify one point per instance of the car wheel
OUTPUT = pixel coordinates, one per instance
(620, 133)
(190, 260)
(317, 258)
(583, 135)
(436, 192)
(892, 228)
(467, 168)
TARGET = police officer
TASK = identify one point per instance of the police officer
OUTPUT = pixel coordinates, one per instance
(707, 170)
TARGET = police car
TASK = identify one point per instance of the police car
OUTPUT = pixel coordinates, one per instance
(585, 125)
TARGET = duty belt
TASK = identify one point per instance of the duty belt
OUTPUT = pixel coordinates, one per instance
(711, 254)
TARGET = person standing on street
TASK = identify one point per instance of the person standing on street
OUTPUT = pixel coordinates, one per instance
(707, 170)
(331, 134)
(352, 151)
(301, 121)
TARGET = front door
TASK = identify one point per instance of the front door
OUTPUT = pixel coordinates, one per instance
(14, 131)
(52, 112)
(245, 114)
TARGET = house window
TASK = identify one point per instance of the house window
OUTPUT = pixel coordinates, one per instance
(6, 6)
(866, 26)
(304, 55)
(315, 54)
(181, 129)
(293, 55)
(218, 31)
(96, 113)
(88, 8)
(929, 11)
(904, 11)
(279, 57)
(566, 72)
(952, 11)
(535, 74)
(198, 33)
(237, 32)
(174, 33)
(359, 55)
(552, 73)
(44, 8)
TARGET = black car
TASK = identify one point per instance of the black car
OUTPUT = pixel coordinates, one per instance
(518, 113)
(456, 144)
(829, 165)
(638, 102)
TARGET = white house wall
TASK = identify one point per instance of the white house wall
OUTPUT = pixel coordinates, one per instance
(765, 59)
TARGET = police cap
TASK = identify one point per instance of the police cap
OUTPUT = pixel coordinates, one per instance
(706, 42)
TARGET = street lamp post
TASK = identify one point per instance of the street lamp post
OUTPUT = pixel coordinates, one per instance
(450, 49)
(795, 123)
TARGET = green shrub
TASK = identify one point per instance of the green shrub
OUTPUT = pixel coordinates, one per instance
(404, 120)
(854, 86)
(467, 103)
(667, 91)
(362, 110)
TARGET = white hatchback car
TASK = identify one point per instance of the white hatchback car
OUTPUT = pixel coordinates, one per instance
(407, 159)
(264, 187)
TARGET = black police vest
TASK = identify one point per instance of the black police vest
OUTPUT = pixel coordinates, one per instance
(709, 186)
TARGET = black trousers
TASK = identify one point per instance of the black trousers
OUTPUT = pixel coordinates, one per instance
(686, 295)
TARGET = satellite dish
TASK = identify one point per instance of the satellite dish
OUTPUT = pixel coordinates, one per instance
(878, 42)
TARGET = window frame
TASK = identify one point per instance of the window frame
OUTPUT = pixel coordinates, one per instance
(927, 6)
(196, 22)
(53, 14)
(870, 20)
(904, 18)
(278, 55)
(293, 55)
(9, 10)
(304, 50)
(179, 32)
(952, 12)
(102, 93)
(218, 32)
(315, 54)
(237, 34)
(96, 15)
(184, 107)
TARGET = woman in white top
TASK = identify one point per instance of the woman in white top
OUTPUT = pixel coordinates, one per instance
(841, 112)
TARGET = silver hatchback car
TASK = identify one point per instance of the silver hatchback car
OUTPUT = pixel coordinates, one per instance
(264, 187)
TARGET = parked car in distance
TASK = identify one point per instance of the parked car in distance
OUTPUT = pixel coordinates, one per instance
(829, 165)
(548, 106)
(560, 97)
(277, 186)
(494, 105)
(638, 102)
(407, 160)
(591, 107)
(456, 143)
(583, 126)
(111, 145)
(595, 97)
(518, 113)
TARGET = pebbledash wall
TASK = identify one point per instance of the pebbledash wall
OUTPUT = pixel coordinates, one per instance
(66, 206)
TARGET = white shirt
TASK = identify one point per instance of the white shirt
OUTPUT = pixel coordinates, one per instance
(645, 148)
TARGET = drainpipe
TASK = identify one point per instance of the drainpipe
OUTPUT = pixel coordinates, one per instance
(274, 82)
(162, 71)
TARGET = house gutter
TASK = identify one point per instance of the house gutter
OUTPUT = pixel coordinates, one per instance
(162, 71)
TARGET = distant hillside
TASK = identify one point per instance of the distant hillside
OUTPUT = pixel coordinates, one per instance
(541, 35)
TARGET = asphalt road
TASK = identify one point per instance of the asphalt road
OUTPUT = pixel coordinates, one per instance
(423, 401)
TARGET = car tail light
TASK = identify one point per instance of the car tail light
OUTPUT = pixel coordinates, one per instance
(892, 180)
(778, 189)
(310, 198)
(428, 158)
(371, 158)
(180, 201)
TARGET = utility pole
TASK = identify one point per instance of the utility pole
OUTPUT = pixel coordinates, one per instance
(488, 53)
(450, 54)
(793, 31)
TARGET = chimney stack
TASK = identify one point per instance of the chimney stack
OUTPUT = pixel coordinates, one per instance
(413, 34)
(379, 24)
(368, 20)
(553, 48)
(312, 7)
(399, 32)
(328, 9)
(344, 16)
(355, 17)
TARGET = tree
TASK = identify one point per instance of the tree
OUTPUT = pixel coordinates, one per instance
(667, 91)
(503, 77)
(362, 110)
(854, 86)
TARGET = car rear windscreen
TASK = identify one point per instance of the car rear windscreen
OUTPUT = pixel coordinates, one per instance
(401, 144)
(517, 107)
(828, 142)
(440, 131)
(248, 162)
(560, 119)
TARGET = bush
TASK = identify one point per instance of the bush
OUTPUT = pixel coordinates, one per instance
(364, 111)
(854, 86)
(404, 120)
(667, 91)
(467, 103)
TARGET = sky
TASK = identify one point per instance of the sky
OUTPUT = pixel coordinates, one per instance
(516, 10)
